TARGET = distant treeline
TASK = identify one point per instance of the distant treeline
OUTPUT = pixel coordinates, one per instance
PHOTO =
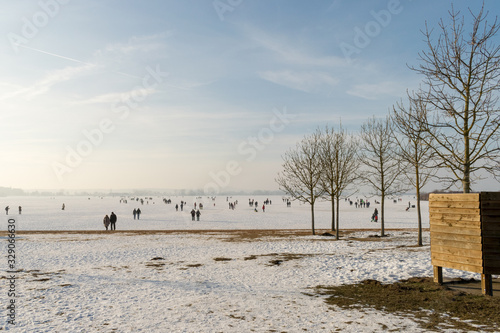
(425, 196)
(9, 191)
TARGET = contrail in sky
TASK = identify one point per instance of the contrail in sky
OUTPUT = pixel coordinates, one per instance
(71, 59)
(53, 54)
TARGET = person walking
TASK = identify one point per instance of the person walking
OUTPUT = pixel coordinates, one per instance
(112, 220)
(20, 210)
(106, 221)
(134, 212)
(139, 213)
(263, 208)
(198, 215)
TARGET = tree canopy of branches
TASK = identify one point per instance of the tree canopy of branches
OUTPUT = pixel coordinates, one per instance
(338, 153)
(414, 142)
(301, 174)
(461, 86)
(380, 157)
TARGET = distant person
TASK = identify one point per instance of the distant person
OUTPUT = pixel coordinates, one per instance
(139, 213)
(176, 207)
(20, 210)
(134, 212)
(112, 220)
(7, 210)
(375, 215)
(193, 213)
(106, 221)
(263, 208)
(198, 215)
(63, 206)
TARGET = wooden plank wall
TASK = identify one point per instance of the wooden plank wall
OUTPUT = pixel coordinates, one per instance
(490, 216)
(456, 237)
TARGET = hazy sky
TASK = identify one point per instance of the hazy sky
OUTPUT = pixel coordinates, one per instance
(193, 94)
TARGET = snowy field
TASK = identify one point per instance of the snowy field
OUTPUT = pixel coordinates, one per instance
(201, 282)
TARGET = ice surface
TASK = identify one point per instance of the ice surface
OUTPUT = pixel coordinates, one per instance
(86, 213)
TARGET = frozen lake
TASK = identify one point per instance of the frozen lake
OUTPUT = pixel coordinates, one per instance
(86, 213)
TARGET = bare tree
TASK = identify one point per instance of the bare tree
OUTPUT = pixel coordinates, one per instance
(301, 173)
(462, 77)
(415, 143)
(340, 164)
(379, 155)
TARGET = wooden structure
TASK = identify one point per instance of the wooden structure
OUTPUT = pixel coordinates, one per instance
(465, 234)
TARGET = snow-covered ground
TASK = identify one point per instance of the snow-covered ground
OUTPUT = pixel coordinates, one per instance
(192, 282)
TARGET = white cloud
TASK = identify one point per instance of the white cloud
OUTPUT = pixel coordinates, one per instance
(307, 81)
(292, 55)
(59, 76)
(118, 96)
(144, 44)
(45, 84)
(376, 91)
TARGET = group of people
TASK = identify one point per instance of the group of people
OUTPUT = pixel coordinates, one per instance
(375, 215)
(196, 213)
(359, 203)
(137, 212)
(110, 221)
(8, 208)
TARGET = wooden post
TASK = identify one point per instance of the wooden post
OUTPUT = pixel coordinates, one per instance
(487, 284)
(438, 274)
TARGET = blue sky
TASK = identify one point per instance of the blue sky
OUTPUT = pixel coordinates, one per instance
(193, 94)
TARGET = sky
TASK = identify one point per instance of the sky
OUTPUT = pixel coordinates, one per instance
(123, 94)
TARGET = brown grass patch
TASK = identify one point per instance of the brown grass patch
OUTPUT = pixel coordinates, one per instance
(155, 264)
(432, 306)
(244, 235)
(222, 259)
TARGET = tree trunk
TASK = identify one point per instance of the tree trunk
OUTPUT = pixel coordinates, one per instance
(419, 218)
(466, 180)
(333, 212)
(417, 183)
(337, 217)
(382, 202)
(312, 218)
